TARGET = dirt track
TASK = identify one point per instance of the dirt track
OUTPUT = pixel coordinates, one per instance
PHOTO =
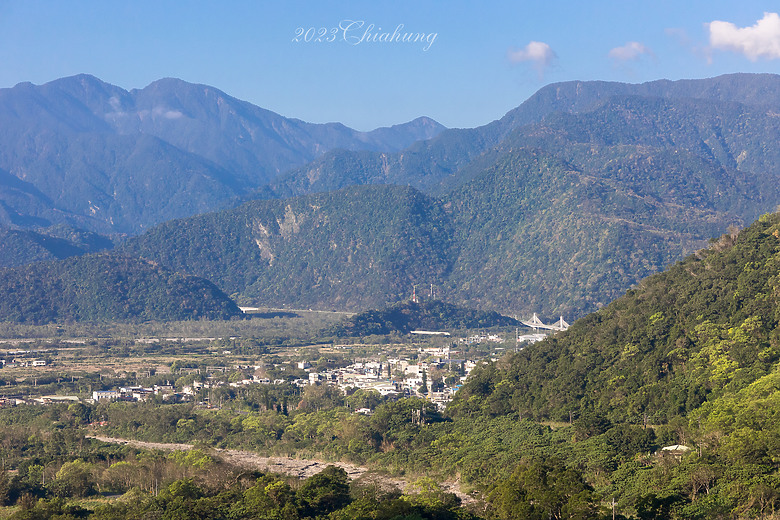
(300, 468)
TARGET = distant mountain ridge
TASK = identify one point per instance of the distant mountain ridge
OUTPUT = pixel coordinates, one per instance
(436, 165)
(95, 156)
(557, 208)
(560, 216)
(83, 152)
(22, 246)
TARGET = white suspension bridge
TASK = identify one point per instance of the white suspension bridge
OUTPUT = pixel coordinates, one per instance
(535, 323)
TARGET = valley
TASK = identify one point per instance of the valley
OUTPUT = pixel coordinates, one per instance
(182, 269)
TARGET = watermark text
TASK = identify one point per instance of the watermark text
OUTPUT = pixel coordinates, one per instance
(358, 32)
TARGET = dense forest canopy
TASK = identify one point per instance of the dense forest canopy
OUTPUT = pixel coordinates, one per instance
(705, 328)
(428, 315)
(107, 287)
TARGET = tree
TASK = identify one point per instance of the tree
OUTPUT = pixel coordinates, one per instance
(5, 487)
(74, 479)
(590, 425)
(543, 490)
(81, 412)
(324, 492)
(320, 397)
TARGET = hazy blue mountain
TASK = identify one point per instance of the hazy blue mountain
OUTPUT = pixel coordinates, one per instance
(424, 165)
(253, 143)
(760, 90)
(436, 165)
(83, 152)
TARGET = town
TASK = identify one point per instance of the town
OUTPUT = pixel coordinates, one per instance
(211, 371)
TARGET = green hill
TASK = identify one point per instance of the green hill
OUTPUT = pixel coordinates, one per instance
(104, 287)
(20, 247)
(356, 248)
(702, 332)
(433, 315)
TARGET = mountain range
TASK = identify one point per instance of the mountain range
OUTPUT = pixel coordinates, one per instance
(83, 152)
(437, 164)
(560, 216)
(556, 208)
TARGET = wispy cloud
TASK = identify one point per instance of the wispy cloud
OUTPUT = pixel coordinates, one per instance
(167, 113)
(539, 54)
(631, 51)
(761, 40)
(679, 34)
(682, 38)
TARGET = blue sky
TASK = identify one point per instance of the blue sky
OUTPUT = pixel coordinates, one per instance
(476, 60)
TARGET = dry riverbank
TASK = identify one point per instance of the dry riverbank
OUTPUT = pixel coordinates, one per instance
(300, 468)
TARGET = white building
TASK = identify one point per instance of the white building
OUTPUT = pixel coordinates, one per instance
(105, 395)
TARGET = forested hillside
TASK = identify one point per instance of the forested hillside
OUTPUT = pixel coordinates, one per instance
(106, 287)
(360, 247)
(538, 234)
(703, 333)
(19, 247)
(430, 315)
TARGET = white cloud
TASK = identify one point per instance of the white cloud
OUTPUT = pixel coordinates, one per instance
(761, 40)
(631, 51)
(166, 113)
(539, 54)
(173, 114)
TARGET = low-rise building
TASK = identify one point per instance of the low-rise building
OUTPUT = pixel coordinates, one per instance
(105, 395)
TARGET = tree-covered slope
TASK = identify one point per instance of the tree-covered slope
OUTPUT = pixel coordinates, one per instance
(20, 247)
(426, 165)
(537, 234)
(104, 287)
(531, 233)
(703, 331)
(729, 139)
(430, 315)
(350, 249)
(749, 102)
